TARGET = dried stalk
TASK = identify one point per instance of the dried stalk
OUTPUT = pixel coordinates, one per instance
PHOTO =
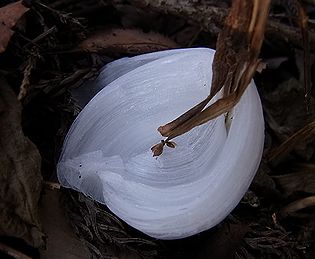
(234, 65)
(297, 205)
(12, 253)
(307, 132)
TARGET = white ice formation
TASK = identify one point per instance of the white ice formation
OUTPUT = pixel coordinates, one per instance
(189, 189)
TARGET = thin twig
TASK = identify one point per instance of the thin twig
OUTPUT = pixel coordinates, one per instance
(12, 252)
(41, 36)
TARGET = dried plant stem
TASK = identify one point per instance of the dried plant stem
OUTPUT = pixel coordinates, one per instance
(298, 205)
(308, 131)
(216, 109)
(12, 252)
(234, 65)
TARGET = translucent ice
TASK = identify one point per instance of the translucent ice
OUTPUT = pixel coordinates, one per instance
(186, 190)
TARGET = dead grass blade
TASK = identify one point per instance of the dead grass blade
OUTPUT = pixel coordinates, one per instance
(297, 205)
(12, 253)
(303, 134)
(29, 66)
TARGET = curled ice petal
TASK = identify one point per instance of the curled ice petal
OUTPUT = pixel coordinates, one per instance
(186, 190)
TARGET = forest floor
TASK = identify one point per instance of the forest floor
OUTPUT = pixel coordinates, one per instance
(48, 48)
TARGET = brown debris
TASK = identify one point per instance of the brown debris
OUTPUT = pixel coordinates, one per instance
(29, 66)
(9, 17)
(257, 233)
(170, 144)
(127, 41)
(20, 175)
(157, 149)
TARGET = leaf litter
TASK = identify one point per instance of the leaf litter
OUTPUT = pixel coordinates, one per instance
(10, 15)
(275, 217)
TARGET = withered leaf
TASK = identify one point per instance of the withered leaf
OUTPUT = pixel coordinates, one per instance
(127, 41)
(158, 149)
(9, 16)
(20, 174)
(170, 144)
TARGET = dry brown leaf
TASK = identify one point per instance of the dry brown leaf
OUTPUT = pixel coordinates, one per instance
(127, 41)
(158, 148)
(20, 174)
(9, 16)
(170, 144)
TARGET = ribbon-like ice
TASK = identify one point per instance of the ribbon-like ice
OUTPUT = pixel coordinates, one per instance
(189, 189)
